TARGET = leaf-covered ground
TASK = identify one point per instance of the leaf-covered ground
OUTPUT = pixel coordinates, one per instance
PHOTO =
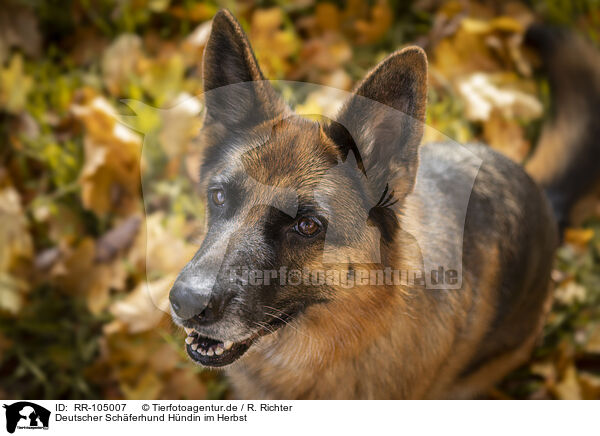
(77, 242)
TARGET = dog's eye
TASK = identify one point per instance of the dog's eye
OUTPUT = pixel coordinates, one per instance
(308, 226)
(218, 197)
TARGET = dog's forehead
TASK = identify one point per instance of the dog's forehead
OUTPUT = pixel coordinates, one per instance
(290, 153)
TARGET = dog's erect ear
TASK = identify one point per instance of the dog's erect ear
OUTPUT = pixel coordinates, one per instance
(386, 117)
(234, 86)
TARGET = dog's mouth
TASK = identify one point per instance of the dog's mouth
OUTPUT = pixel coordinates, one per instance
(216, 353)
(211, 352)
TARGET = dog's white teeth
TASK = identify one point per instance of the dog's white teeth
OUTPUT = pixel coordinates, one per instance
(217, 349)
(188, 331)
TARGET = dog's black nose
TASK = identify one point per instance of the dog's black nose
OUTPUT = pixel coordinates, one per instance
(203, 305)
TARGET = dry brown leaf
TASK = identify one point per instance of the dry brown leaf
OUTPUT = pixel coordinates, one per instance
(325, 101)
(78, 273)
(184, 384)
(117, 239)
(593, 339)
(193, 45)
(161, 247)
(144, 307)
(18, 28)
(110, 177)
(65, 225)
(15, 241)
(148, 387)
(480, 43)
(507, 136)
(462, 54)
(180, 124)
(12, 291)
(547, 370)
(322, 56)
(16, 247)
(120, 62)
(163, 358)
(590, 386)
(372, 30)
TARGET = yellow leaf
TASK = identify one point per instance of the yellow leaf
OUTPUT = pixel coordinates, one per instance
(15, 241)
(328, 17)
(481, 43)
(568, 388)
(16, 250)
(504, 24)
(15, 85)
(200, 11)
(579, 237)
(273, 43)
(472, 25)
(163, 77)
(507, 24)
(12, 291)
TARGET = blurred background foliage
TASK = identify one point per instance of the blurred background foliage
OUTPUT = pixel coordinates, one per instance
(76, 320)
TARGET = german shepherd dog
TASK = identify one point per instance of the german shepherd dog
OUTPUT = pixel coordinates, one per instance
(385, 340)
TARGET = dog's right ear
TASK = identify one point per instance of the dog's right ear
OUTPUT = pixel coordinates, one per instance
(385, 120)
(236, 93)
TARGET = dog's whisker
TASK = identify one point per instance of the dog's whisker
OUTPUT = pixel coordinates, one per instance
(265, 326)
(286, 322)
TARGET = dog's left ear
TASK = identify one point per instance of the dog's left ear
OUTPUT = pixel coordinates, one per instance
(236, 92)
(385, 119)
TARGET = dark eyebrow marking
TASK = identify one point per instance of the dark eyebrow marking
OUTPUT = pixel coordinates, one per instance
(235, 179)
(310, 208)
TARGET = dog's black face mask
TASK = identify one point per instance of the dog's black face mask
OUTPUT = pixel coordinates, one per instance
(285, 196)
(263, 225)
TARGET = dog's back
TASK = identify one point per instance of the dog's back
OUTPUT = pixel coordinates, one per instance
(508, 243)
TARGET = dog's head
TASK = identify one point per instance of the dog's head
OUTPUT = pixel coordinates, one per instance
(286, 194)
